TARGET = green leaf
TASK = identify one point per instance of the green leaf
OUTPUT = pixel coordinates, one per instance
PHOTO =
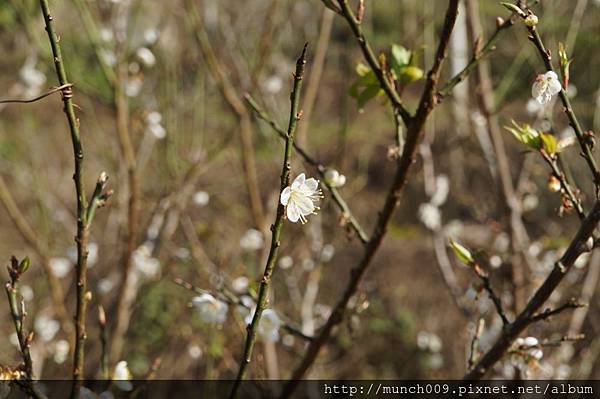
(549, 143)
(24, 265)
(366, 80)
(409, 74)
(462, 253)
(400, 55)
(526, 135)
(368, 94)
(362, 69)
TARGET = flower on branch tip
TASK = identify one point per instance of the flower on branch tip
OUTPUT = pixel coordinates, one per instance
(333, 178)
(525, 353)
(545, 87)
(211, 309)
(300, 198)
(122, 376)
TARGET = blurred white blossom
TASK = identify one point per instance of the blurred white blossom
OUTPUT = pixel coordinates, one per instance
(268, 327)
(334, 178)
(33, 79)
(430, 216)
(194, 351)
(545, 87)
(327, 253)
(252, 240)
(60, 266)
(150, 36)
(240, 284)
(154, 125)
(105, 285)
(122, 376)
(133, 86)
(273, 84)
(146, 56)
(46, 327)
(285, 262)
(201, 198)
(210, 309)
(26, 292)
(144, 263)
(300, 198)
(61, 351)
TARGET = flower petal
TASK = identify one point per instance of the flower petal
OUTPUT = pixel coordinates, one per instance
(285, 196)
(551, 75)
(304, 204)
(293, 213)
(299, 180)
(554, 86)
(311, 184)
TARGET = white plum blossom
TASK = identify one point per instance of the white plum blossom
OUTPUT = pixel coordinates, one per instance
(268, 327)
(300, 198)
(106, 34)
(201, 198)
(46, 327)
(252, 240)
(122, 376)
(60, 266)
(32, 78)
(61, 351)
(286, 262)
(146, 56)
(240, 284)
(108, 57)
(133, 86)
(334, 178)
(144, 263)
(194, 351)
(273, 84)
(211, 309)
(430, 216)
(327, 253)
(545, 87)
(150, 36)
(154, 125)
(525, 353)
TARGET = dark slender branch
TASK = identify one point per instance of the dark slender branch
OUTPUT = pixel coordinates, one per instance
(414, 132)
(548, 313)
(335, 194)
(82, 225)
(263, 292)
(566, 187)
(524, 319)
(487, 285)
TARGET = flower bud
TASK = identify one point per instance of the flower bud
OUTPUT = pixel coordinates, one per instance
(553, 184)
(531, 20)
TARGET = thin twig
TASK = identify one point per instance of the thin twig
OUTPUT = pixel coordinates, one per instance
(414, 132)
(475, 343)
(487, 285)
(15, 270)
(263, 292)
(32, 100)
(548, 313)
(347, 214)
